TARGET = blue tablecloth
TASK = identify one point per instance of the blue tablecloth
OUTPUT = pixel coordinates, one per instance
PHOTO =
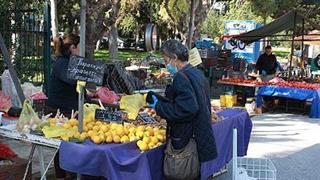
(294, 93)
(125, 161)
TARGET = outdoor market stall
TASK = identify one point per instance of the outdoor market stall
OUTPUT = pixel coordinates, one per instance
(293, 93)
(118, 161)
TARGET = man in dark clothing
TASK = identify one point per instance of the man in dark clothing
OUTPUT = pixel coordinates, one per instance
(267, 62)
(187, 108)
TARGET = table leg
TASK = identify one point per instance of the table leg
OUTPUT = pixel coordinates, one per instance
(287, 105)
(43, 176)
(41, 159)
(29, 161)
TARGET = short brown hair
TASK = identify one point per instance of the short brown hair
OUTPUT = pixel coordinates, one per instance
(63, 43)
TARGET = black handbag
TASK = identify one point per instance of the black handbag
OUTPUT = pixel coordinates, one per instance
(182, 163)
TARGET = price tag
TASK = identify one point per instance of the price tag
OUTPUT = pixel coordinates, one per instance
(109, 116)
(79, 69)
(146, 118)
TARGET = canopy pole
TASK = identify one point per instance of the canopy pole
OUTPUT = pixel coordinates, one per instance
(82, 53)
(292, 42)
(302, 46)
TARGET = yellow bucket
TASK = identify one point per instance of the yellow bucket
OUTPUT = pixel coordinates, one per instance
(222, 100)
(229, 100)
(234, 99)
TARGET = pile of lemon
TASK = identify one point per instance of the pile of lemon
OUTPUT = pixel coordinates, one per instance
(147, 137)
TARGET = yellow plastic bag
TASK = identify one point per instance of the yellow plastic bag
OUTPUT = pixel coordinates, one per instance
(89, 112)
(132, 104)
(28, 118)
(57, 131)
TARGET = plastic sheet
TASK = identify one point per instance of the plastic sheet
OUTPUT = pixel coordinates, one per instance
(132, 104)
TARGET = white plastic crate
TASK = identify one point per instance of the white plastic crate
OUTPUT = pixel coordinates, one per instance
(258, 168)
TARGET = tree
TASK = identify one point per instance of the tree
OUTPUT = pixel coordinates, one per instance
(54, 18)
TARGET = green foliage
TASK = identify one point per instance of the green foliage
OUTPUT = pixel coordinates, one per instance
(212, 25)
(128, 24)
(123, 54)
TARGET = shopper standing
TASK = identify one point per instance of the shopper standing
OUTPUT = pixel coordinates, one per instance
(187, 106)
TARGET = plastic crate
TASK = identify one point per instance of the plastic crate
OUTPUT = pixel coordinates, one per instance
(259, 168)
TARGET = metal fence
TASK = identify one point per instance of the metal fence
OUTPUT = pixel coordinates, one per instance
(26, 30)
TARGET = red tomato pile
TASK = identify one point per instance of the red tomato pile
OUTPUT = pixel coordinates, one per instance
(240, 81)
(293, 84)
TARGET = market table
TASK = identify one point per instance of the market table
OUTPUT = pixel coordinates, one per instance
(237, 84)
(293, 93)
(9, 131)
(121, 161)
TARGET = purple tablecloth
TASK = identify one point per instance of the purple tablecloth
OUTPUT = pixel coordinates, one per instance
(124, 161)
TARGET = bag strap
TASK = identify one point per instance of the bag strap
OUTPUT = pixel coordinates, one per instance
(184, 75)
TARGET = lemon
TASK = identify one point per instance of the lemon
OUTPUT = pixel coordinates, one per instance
(85, 129)
(76, 135)
(113, 125)
(116, 139)
(107, 134)
(109, 139)
(154, 140)
(124, 139)
(151, 132)
(98, 123)
(142, 146)
(160, 137)
(96, 128)
(132, 137)
(147, 133)
(158, 144)
(102, 137)
(132, 130)
(90, 133)
(120, 131)
(125, 131)
(139, 133)
(96, 139)
(104, 128)
(52, 120)
(83, 136)
(141, 128)
(66, 125)
(65, 138)
(73, 122)
(90, 126)
(146, 139)
(151, 145)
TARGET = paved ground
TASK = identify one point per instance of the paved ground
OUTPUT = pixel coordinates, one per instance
(292, 142)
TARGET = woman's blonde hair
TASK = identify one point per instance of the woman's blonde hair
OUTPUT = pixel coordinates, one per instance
(63, 43)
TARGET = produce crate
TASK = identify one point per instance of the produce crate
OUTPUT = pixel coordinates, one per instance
(16, 170)
(259, 168)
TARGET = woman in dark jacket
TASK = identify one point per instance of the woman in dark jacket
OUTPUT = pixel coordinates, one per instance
(186, 107)
(62, 91)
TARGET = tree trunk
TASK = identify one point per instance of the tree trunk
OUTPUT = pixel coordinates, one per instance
(113, 42)
(137, 38)
(264, 43)
(54, 18)
(191, 23)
